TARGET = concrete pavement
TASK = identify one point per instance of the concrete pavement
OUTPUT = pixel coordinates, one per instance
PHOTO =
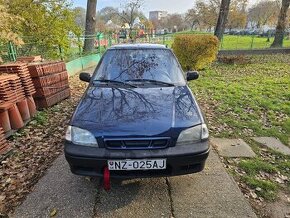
(135, 198)
(69, 195)
(212, 193)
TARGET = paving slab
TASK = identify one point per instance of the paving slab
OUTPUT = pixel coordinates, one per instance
(59, 189)
(212, 193)
(273, 143)
(135, 198)
(232, 147)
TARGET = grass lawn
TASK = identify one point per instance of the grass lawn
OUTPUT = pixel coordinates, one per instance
(231, 42)
(249, 99)
(248, 42)
(245, 100)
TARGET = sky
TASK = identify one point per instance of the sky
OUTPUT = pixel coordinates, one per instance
(172, 6)
(150, 5)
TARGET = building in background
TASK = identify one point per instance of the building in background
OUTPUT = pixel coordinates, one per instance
(157, 15)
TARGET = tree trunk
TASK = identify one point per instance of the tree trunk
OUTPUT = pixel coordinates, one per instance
(130, 33)
(281, 25)
(222, 20)
(90, 26)
(192, 25)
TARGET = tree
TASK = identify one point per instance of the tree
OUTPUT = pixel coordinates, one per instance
(109, 13)
(7, 23)
(192, 18)
(80, 17)
(129, 12)
(101, 26)
(264, 13)
(90, 25)
(222, 19)
(172, 22)
(280, 29)
(149, 26)
(237, 15)
(44, 26)
(207, 13)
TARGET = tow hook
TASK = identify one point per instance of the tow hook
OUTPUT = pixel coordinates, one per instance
(107, 182)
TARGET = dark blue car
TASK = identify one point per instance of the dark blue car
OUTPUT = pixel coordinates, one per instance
(137, 118)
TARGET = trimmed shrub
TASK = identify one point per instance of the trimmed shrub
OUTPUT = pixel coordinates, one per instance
(195, 52)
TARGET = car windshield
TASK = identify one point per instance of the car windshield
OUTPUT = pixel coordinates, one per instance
(137, 66)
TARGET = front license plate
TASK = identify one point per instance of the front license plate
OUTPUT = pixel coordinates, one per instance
(152, 164)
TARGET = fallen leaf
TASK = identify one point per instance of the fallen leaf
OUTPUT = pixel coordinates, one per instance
(2, 197)
(280, 181)
(258, 189)
(36, 150)
(53, 212)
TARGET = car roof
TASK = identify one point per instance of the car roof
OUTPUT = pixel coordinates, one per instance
(138, 46)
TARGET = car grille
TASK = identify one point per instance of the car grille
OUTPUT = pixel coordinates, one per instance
(154, 143)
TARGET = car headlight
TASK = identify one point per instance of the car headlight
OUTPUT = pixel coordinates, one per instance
(192, 135)
(80, 136)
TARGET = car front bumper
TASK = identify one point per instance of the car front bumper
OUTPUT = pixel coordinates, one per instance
(88, 161)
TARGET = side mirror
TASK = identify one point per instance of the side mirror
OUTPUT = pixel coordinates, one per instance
(192, 75)
(86, 77)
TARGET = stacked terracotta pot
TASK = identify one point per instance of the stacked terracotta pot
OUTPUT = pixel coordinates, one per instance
(51, 83)
(17, 106)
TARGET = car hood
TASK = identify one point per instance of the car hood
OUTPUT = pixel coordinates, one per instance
(107, 111)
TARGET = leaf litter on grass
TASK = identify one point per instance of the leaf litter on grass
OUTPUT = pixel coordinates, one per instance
(246, 100)
(35, 148)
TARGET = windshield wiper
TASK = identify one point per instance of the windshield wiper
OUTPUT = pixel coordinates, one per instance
(151, 81)
(107, 81)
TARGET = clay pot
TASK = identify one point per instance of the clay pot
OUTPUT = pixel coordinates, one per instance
(5, 121)
(16, 121)
(24, 109)
(31, 106)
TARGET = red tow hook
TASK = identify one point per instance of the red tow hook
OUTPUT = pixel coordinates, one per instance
(107, 182)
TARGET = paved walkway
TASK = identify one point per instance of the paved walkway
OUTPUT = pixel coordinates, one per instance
(212, 193)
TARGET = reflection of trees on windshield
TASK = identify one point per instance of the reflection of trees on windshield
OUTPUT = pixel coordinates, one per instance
(137, 68)
(132, 64)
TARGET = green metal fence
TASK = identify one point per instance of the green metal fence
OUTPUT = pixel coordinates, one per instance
(229, 42)
(73, 50)
(236, 42)
(243, 41)
(10, 52)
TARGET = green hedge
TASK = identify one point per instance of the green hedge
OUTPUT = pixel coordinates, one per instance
(195, 52)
